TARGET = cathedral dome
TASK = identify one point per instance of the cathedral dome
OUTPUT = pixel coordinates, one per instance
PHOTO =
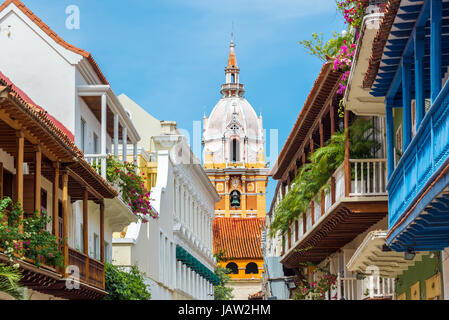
(233, 132)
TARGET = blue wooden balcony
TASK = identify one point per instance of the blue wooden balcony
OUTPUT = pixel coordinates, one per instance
(417, 184)
(413, 67)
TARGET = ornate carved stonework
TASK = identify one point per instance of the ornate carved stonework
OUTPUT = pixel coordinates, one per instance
(235, 182)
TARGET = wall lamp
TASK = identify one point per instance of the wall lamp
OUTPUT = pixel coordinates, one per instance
(409, 254)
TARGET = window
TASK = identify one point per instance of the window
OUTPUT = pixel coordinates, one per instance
(83, 134)
(106, 251)
(96, 244)
(233, 267)
(81, 242)
(232, 78)
(43, 201)
(398, 141)
(251, 268)
(235, 198)
(95, 143)
(234, 150)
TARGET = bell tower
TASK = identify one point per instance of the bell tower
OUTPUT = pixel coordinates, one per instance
(233, 159)
(233, 149)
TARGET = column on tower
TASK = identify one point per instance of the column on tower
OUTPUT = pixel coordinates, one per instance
(243, 196)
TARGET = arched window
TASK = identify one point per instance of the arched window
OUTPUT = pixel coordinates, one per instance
(235, 198)
(232, 78)
(234, 150)
(233, 267)
(251, 268)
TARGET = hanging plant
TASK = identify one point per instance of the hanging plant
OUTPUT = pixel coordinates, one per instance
(132, 186)
(313, 177)
(353, 11)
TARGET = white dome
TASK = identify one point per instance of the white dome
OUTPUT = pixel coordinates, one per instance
(233, 118)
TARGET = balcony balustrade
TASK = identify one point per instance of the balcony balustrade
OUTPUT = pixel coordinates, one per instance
(372, 287)
(368, 180)
(91, 271)
(422, 162)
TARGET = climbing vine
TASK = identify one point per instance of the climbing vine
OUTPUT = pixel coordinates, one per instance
(313, 176)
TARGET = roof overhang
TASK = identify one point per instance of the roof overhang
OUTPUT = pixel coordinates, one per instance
(370, 257)
(323, 89)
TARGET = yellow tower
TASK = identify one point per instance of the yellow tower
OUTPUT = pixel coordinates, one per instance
(234, 160)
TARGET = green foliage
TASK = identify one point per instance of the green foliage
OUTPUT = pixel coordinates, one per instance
(326, 50)
(313, 176)
(221, 292)
(122, 285)
(9, 282)
(33, 241)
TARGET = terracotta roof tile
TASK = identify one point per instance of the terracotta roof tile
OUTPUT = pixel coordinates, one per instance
(238, 237)
(55, 37)
(380, 41)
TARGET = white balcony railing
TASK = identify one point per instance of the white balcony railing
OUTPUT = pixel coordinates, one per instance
(377, 287)
(372, 287)
(98, 162)
(369, 178)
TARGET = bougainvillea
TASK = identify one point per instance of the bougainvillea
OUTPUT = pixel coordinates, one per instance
(353, 11)
(343, 62)
(322, 282)
(131, 185)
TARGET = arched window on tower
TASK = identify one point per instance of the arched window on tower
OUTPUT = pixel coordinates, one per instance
(251, 268)
(234, 150)
(232, 78)
(233, 267)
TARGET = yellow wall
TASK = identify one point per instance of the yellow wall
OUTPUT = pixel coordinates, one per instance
(241, 264)
(252, 188)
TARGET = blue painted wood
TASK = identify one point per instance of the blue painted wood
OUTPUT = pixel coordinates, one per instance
(427, 225)
(390, 138)
(435, 44)
(419, 74)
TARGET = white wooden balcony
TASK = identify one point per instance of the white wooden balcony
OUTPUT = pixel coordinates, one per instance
(356, 193)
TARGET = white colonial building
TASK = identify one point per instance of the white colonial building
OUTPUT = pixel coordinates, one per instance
(69, 84)
(175, 250)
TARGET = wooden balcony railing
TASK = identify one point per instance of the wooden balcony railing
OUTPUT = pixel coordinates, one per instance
(91, 271)
(368, 179)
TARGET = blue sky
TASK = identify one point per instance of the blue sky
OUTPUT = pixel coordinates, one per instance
(169, 55)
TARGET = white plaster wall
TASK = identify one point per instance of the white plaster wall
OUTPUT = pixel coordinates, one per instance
(445, 255)
(92, 126)
(38, 66)
(147, 125)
